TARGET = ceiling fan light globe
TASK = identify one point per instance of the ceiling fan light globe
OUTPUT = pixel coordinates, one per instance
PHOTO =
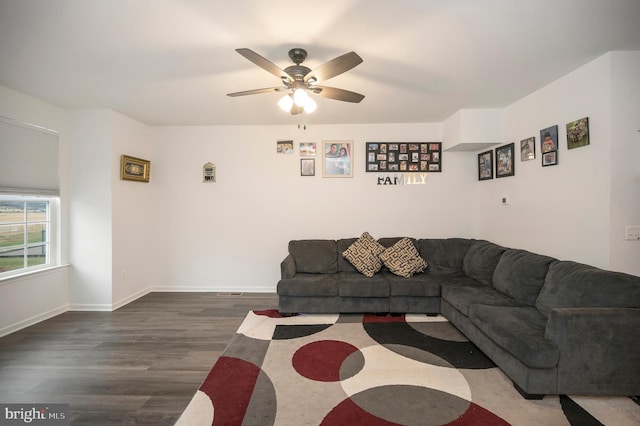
(310, 105)
(286, 102)
(300, 97)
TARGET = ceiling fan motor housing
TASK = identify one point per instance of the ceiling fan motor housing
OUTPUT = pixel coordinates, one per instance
(297, 55)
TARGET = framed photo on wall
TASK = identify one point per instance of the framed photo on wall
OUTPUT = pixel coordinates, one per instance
(528, 149)
(485, 165)
(550, 158)
(549, 146)
(307, 149)
(307, 167)
(505, 164)
(132, 168)
(578, 133)
(405, 157)
(337, 159)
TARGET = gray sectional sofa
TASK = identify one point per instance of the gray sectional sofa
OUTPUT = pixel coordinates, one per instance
(554, 327)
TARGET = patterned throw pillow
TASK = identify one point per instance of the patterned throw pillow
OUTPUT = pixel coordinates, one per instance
(364, 255)
(403, 259)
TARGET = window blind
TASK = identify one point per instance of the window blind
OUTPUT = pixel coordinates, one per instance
(28, 159)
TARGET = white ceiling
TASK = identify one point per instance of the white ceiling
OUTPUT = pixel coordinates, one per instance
(172, 62)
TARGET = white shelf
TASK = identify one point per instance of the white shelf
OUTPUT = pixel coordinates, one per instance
(472, 146)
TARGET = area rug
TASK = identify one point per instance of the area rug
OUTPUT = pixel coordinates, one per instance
(373, 370)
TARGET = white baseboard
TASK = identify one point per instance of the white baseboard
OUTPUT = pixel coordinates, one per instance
(108, 307)
(211, 289)
(120, 303)
(12, 328)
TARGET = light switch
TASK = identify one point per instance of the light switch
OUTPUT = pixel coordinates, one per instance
(632, 232)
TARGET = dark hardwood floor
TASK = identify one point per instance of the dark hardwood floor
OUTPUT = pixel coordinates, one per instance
(139, 365)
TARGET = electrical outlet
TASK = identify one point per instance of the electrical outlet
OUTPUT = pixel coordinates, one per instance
(632, 232)
(505, 200)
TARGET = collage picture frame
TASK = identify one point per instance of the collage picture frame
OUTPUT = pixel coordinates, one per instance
(405, 157)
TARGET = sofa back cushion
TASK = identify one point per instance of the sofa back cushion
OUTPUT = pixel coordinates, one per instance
(481, 259)
(315, 256)
(520, 274)
(444, 256)
(575, 285)
(343, 264)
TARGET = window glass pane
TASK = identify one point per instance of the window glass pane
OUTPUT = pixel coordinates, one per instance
(36, 211)
(11, 259)
(11, 211)
(11, 235)
(37, 233)
(25, 238)
(37, 255)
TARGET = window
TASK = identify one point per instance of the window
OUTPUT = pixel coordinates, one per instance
(26, 233)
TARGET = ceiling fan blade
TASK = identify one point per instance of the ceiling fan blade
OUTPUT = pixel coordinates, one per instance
(338, 94)
(257, 91)
(262, 62)
(335, 67)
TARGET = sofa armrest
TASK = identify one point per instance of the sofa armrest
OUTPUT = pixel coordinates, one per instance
(599, 349)
(288, 267)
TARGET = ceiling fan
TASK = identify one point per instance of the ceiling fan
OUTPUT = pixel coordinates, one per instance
(297, 80)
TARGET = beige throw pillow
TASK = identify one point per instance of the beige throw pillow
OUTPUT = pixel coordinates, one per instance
(364, 255)
(403, 259)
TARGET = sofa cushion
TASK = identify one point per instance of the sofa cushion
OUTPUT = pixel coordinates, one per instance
(364, 255)
(343, 264)
(463, 297)
(445, 255)
(354, 284)
(403, 259)
(315, 256)
(420, 285)
(519, 331)
(576, 285)
(481, 259)
(309, 285)
(520, 274)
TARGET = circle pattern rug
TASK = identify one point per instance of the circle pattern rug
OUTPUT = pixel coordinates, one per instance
(373, 370)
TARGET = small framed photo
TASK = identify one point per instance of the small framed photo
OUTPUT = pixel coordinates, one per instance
(307, 149)
(307, 167)
(284, 147)
(550, 158)
(578, 133)
(485, 165)
(528, 149)
(337, 159)
(132, 168)
(549, 139)
(505, 166)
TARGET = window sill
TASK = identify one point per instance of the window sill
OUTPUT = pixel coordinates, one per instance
(29, 274)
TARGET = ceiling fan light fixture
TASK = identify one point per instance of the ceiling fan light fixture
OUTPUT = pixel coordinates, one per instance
(300, 97)
(286, 103)
(310, 105)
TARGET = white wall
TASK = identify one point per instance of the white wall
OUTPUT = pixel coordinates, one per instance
(568, 210)
(91, 223)
(625, 157)
(28, 300)
(111, 219)
(232, 234)
(132, 213)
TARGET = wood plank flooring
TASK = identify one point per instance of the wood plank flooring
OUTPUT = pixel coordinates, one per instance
(139, 365)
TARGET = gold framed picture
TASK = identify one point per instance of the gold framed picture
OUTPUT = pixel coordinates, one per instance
(132, 168)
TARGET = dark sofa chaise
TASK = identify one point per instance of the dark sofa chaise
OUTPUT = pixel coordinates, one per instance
(554, 327)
